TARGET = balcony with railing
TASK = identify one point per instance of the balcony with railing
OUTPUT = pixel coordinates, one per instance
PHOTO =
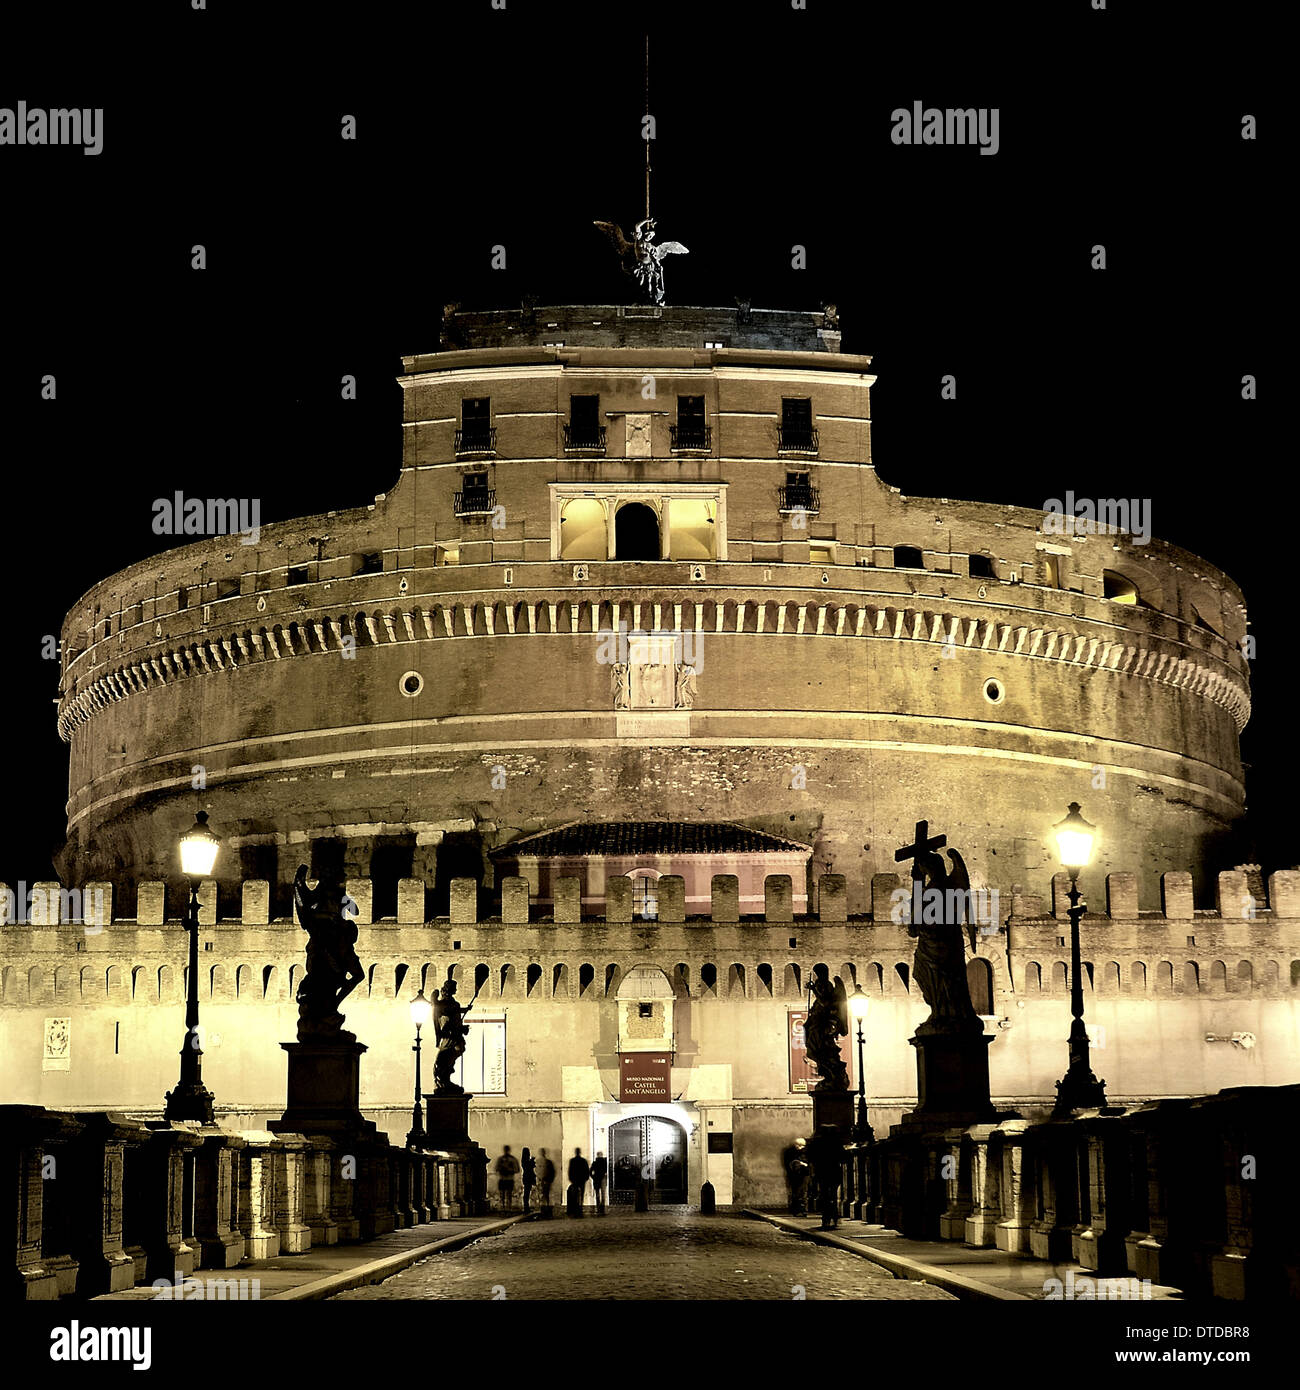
(801, 439)
(691, 438)
(479, 501)
(584, 439)
(799, 497)
(481, 439)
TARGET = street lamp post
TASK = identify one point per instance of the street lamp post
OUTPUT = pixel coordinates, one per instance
(421, 1013)
(863, 1136)
(859, 1003)
(191, 1099)
(1079, 1089)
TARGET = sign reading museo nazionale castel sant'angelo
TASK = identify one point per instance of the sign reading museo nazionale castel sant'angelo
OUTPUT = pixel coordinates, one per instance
(644, 1076)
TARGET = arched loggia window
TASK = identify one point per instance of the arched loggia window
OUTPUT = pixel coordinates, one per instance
(636, 532)
(645, 895)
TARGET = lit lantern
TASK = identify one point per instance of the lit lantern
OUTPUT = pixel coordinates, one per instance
(1074, 841)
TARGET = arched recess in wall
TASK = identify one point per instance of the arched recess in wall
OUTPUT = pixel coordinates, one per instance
(1118, 588)
(582, 529)
(979, 980)
(693, 529)
(636, 532)
(645, 982)
(1128, 581)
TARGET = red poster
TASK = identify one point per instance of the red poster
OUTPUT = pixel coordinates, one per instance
(645, 1076)
(803, 1075)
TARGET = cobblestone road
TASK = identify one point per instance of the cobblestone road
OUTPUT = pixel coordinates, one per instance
(648, 1255)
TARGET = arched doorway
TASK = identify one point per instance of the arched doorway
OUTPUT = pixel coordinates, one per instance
(649, 1148)
(636, 532)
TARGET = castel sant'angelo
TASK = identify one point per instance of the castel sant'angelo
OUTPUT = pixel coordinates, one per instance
(620, 700)
(405, 690)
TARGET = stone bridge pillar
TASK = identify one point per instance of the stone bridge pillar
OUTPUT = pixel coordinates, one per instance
(954, 1148)
(289, 1155)
(985, 1188)
(216, 1176)
(1017, 1199)
(97, 1209)
(257, 1195)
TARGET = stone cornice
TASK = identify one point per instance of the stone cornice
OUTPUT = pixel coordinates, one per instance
(1150, 658)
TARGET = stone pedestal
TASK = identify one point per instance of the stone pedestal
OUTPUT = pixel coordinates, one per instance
(324, 1090)
(446, 1124)
(952, 1082)
(834, 1108)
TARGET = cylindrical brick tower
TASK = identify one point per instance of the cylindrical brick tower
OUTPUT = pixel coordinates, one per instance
(638, 565)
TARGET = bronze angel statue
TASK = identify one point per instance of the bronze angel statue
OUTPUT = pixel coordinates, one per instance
(826, 1024)
(333, 969)
(450, 1030)
(940, 963)
(642, 258)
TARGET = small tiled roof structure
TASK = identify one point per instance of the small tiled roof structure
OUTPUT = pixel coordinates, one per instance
(622, 837)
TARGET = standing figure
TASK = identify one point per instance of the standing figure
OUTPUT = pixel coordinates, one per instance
(579, 1172)
(642, 259)
(826, 1024)
(798, 1172)
(599, 1169)
(528, 1166)
(507, 1166)
(940, 962)
(621, 681)
(826, 1154)
(546, 1180)
(449, 1030)
(333, 969)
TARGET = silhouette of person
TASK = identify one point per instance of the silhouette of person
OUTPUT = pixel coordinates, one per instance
(547, 1181)
(599, 1169)
(798, 1173)
(579, 1173)
(507, 1167)
(528, 1165)
(826, 1154)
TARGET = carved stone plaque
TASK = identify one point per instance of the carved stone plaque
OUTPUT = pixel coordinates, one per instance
(638, 436)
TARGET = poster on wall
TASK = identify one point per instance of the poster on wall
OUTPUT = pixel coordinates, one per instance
(803, 1075)
(482, 1070)
(56, 1054)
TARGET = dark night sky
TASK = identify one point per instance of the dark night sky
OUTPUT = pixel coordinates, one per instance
(479, 127)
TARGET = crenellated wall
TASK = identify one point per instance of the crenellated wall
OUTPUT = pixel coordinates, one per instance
(1157, 987)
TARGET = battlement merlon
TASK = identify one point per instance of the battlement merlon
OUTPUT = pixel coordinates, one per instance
(1239, 915)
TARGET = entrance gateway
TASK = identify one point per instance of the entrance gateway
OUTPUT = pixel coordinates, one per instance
(649, 1149)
